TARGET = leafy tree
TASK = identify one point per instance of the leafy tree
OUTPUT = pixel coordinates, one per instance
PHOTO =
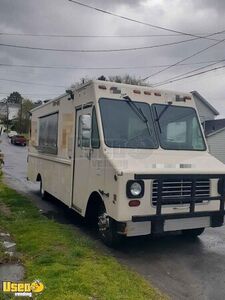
(128, 79)
(15, 97)
(22, 123)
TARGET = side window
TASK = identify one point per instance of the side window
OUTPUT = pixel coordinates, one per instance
(48, 133)
(95, 142)
(84, 131)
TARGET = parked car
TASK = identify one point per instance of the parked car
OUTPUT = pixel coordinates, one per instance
(12, 133)
(19, 140)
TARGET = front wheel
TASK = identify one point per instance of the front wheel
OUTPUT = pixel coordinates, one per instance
(42, 191)
(107, 228)
(193, 232)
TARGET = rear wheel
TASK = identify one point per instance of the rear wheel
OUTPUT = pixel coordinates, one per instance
(193, 232)
(107, 228)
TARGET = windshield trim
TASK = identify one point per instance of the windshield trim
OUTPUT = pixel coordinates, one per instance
(197, 118)
(157, 146)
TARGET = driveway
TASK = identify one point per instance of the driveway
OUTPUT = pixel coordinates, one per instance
(182, 268)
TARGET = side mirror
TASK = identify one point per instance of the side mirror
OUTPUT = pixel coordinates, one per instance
(84, 136)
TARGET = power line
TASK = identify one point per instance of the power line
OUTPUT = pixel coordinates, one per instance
(184, 59)
(190, 76)
(32, 83)
(95, 36)
(97, 50)
(29, 94)
(104, 68)
(136, 21)
(186, 73)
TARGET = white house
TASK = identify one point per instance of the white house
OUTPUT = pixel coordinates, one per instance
(13, 110)
(214, 128)
(205, 109)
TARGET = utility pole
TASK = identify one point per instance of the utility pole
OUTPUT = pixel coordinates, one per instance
(7, 116)
(21, 111)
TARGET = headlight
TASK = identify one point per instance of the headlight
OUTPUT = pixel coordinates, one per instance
(135, 189)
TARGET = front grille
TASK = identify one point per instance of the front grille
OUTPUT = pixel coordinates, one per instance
(179, 191)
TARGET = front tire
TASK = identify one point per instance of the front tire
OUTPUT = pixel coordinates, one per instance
(193, 232)
(107, 228)
(42, 192)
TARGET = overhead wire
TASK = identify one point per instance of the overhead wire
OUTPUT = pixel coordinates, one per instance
(103, 68)
(135, 20)
(190, 76)
(97, 50)
(184, 59)
(186, 73)
(156, 27)
(24, 34)
(32, 83)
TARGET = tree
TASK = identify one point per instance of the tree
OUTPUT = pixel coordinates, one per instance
(15, 97)
(22, 123)
(128, 79)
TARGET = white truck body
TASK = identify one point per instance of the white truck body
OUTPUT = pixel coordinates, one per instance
(82, 158)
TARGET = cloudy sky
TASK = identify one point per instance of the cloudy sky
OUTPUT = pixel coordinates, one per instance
(62, 17)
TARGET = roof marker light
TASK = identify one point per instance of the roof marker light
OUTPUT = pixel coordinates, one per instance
(137, 92)
(157, 94)
(187, 98)
(102, 87)
(147, 93)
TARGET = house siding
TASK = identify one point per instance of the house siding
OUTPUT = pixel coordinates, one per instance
(204, 112)
(216, 143)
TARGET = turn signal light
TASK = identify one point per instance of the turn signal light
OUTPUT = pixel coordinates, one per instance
(133, 203)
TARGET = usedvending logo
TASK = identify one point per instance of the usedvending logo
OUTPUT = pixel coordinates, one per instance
(20, 289)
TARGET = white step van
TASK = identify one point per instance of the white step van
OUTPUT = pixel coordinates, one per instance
(131, 158)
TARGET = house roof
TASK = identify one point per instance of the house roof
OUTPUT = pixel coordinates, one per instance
(213, 126)
(205, 102)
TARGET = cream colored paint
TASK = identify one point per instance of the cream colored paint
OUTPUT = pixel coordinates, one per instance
(74, 186)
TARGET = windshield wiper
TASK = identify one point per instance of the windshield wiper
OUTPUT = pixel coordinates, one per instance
(138, 112)
(158, 117)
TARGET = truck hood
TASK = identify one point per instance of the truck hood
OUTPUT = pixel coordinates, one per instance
(161, 161)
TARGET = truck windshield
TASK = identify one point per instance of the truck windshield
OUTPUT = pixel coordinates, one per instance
(178, 128)
(124, 128)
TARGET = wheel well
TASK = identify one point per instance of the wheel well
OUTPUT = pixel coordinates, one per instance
(38, 177)
(94, 202)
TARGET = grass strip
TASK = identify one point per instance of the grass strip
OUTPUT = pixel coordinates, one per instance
(68, 263)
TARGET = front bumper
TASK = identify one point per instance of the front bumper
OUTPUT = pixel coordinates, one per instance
(158, 222)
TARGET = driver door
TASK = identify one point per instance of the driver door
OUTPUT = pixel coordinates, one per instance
(82, 158)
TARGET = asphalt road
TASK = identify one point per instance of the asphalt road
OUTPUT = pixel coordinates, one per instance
(182, 268)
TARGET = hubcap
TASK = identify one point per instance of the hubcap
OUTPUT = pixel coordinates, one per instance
(103, 223)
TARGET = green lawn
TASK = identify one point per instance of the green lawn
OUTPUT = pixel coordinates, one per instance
(69, 264)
